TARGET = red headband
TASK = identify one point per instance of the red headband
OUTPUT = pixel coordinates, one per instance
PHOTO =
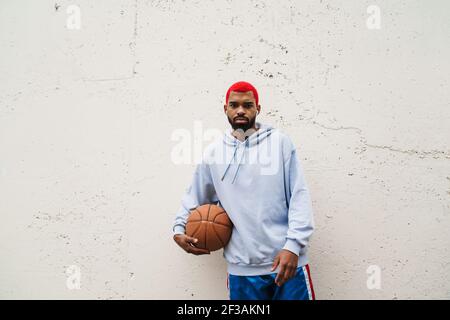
(242, 86)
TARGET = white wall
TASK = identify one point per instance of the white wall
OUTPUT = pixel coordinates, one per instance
(86, 118)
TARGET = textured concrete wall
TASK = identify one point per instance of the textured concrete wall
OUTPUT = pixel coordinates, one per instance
(92, 91)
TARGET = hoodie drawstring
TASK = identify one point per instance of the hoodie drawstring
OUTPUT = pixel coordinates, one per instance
(239, 163)
(229, 164)
(255, 139)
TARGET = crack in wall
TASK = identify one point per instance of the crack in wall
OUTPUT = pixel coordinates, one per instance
(135, 34)
(436, 154)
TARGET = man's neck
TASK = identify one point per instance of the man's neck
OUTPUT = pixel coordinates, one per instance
(241, 135)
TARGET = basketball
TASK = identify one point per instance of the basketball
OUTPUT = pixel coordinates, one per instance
(211, 225)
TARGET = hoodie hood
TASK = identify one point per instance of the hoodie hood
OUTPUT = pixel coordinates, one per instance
(264, 130)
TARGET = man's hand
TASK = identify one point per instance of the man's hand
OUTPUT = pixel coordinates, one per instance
(187, 244)
(288, 266)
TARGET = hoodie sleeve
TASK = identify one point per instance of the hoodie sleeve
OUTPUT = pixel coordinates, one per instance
(200, 191)
(300, 215)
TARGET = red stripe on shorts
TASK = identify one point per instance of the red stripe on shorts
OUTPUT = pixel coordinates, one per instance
(310, 282)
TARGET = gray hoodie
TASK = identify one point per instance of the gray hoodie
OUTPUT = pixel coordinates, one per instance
(260, 184)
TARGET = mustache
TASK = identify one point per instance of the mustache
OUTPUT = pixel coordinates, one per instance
(240, 118)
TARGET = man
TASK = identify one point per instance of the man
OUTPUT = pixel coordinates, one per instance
(267, 200)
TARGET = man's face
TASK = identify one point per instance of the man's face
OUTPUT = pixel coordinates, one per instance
(241, 110)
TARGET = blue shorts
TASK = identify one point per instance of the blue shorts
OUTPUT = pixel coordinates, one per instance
(263, 287)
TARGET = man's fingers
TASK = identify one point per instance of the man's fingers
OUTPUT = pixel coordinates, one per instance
(191, 239)
(280, 275)
(275, 263)
(194, 250)
(287, 272)
(290, 273)
(198, 251)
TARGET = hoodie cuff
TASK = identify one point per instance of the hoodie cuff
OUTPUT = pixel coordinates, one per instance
(179, 230)
(293, 246)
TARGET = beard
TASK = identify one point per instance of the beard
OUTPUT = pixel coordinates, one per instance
(242, 126)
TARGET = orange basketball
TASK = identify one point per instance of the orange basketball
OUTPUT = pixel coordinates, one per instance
(211, 225)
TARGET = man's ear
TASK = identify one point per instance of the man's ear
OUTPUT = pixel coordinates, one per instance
(258, 107)
(225, 108)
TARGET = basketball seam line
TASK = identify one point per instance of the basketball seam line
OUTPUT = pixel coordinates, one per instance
(217, 235)
(199, 213)
(193, 233)
(207, 215)
(214, 220)
(218, 214)
(222, 224)
(205, 238)
(206, 228)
